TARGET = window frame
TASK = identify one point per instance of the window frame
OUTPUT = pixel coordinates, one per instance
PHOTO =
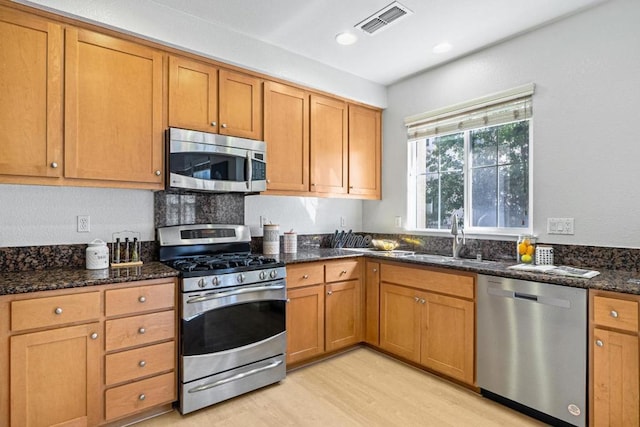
(412, 176)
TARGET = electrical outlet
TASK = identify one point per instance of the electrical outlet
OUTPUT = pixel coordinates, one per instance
(343, 221)
(560, 226)
(398, 221)
(84, 223)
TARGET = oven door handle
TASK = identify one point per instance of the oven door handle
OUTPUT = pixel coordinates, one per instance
(249, 172)
(239, 376)
(208, 297)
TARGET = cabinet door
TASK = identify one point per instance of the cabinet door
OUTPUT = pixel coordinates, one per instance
(240, 105)
(286, 132)
(193, 95)
(31, 107)
(372, 303)
(305, 323)
(447, 342)
(113, 110)
(328, 145)
(615, 379)
(400, 321)
(55, 377)
(343, 314)
(365, 151)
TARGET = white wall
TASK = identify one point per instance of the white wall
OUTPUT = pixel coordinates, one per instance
(585, 128)
(305, 215)
(32, 215)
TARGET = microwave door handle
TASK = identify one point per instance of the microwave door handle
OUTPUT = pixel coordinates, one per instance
(249, 173)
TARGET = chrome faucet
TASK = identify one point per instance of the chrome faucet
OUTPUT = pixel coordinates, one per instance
(458, 239)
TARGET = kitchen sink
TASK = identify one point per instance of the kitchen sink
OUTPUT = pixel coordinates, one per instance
(432, 258)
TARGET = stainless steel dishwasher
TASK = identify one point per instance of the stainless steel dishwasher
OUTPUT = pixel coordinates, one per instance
(532, 347)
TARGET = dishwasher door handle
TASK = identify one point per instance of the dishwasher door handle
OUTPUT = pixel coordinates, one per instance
(529, 297)
(506, 293)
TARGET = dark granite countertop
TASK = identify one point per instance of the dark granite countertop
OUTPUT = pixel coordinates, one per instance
(64, 278)
(610, 280)
(51, 279)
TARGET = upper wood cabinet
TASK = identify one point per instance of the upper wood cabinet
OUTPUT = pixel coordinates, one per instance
(113, 110)
(203, 97)
(31, 107)
(240, 105)
(193, 95)
(329, 154)
(286, 132)
(365, 152)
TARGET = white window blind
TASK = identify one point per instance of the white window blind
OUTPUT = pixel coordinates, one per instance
(496, 109)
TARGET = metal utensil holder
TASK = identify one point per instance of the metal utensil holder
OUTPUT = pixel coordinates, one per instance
(125, 249)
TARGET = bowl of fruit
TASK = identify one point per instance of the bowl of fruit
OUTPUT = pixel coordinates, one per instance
(384, 244)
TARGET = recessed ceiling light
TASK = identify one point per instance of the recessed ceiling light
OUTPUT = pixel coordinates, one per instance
(346, 38)
(442, 47)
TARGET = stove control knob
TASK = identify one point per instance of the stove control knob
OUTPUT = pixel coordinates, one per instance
(273, 274)
(240, 278)
(201, 283)
(263, 275)
(215, 281)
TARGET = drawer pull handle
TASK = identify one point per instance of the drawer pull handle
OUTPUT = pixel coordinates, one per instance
(142, 330)
(306, 276)
(94, 336)
(142, 363)
(142, 397)
(343, 272)
(614, 314)
(58, 310)
(599, 343)
(142, 299)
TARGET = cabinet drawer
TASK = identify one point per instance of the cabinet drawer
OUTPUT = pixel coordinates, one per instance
(140, 362)
(134, 397)
(344, 270)
(54, 311)
(305, 274)
(138, 330)
(430, 280)
(615, 313)
(140, 298)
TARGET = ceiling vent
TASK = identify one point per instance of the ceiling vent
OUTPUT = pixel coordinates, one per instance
(384, 18)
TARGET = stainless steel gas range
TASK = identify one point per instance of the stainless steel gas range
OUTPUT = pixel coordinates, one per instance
(232, 329)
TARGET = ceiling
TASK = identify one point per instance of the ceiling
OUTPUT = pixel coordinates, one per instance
(308, 28)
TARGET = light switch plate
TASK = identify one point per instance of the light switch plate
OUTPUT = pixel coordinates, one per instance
(560, 226)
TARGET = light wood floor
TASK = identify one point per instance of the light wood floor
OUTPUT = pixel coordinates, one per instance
(357, 388)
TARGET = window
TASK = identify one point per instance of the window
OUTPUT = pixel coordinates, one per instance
(473, 160)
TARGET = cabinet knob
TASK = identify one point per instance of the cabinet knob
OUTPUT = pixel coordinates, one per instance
(329, 292)
(224, 125)
(288, 300)
(214, 124)
(422, 301)
(614, 314)
(351, 187)
(268, 181)
(313, 185)
(375, 270)
(142, 363)
(306, 276)
(142, 397)
(58, 310)
(94, 336)
(599, 343)
(54, 165)
(142, 299)
(158, 173)
(343, 272)
(416, 299)
(142, 330)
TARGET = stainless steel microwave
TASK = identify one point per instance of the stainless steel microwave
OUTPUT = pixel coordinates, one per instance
(208, 162)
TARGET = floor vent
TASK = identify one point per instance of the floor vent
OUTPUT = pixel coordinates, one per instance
(383, 18)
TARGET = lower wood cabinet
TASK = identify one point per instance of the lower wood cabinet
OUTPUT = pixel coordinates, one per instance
(429, 328)
(614, 353)
(63, 365)
(324, 312)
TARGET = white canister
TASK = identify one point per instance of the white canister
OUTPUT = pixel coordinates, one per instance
(544, 255)
(290, 242)
(97, 255)
(271, 239)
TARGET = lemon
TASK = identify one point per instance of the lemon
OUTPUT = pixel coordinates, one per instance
(526, 259)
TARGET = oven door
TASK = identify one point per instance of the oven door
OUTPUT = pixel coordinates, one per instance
(215, 168)
(232, 327)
